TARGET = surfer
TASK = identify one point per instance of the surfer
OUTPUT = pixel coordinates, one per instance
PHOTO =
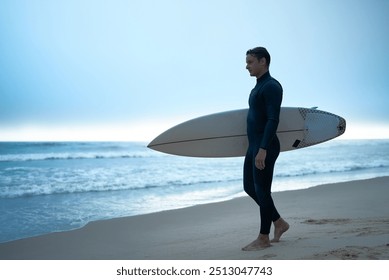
(264, 147)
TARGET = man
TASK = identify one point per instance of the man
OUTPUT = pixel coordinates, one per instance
(264, 146)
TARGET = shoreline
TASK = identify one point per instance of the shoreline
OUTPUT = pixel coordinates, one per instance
(348, 220)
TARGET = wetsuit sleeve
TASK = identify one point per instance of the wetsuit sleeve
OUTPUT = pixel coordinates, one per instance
(272, 94)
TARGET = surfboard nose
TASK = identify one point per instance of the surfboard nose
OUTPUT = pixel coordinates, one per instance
(153, 144)
(150, 145)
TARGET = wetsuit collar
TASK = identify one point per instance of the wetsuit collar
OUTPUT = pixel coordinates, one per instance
(264, 76)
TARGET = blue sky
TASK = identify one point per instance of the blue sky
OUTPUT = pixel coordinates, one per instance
(127, 70)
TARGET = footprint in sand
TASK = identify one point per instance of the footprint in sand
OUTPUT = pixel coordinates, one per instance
(326, 221)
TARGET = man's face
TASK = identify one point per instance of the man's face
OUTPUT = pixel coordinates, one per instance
(255, 67)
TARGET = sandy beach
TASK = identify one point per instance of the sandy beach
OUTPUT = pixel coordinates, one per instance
(330, 222)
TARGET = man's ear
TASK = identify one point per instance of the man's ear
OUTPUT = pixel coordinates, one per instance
(262, 61)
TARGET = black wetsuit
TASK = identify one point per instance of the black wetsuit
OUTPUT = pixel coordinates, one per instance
(262, 122)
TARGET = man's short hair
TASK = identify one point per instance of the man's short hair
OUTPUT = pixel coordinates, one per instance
(260, 52)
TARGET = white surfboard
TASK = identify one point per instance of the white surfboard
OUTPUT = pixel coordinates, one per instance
(224, 134)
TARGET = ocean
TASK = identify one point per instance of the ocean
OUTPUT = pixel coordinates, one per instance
(56, 186)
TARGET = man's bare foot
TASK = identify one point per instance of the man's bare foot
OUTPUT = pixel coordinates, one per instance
(260, 243)
(280, 226)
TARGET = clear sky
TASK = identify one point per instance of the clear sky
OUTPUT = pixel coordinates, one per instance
(127, 70)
